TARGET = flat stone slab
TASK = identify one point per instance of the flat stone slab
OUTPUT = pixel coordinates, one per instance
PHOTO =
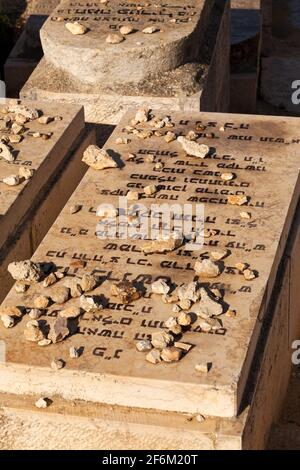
(179, 29)
(263, 155)
(41, 156)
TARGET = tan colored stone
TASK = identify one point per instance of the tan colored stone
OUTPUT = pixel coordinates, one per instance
(241, 266)
(76, 28)
(20, 287)
(70, 312)
(98, 159)
(170, 137)
(153, 356)
(25, 271)
(33, 332)
(125, 30)
(50, 280)
(57, 364)
(162, 244)
(90, 303)
(89, 282)
(203, 368)
(60, 295)
(12, 180)
(227, 176)
(188, 291)
(193, 148)
(41, 301)
(218, 255)
(30, 113)
(150, 30)
(151, 189)
(15, 312)
(208, 305)
(8, 321)
(25, 173)
(160, 287)
(249, 275)
(184, 346)
(245, 215)
(171, 354)
(185, 304)
(74, 284)
(143, 345)
(207, 268)
(161, 339)
(35, 313)
(237, 200)
(45, 120)
(44, 342)
(114, 38)
(171, 322)
(184, 319)
(42, 403)
(125, 291)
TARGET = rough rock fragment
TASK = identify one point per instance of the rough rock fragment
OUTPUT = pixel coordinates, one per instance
(227, 176)
(142, 115)
(208, 305)
(153, 356)
(160, 287)
(163, 243)
(237, 200)
(59, 330)
(13, 311)
(184, 319)
(241, 266)
(114, 38)
(60, 295)
(20, 287)
(218, 255)
(98, 158)
(125, 291)
(50, 280)
(90, 303)
(171, 354)
(170, 137)
(12, 180)
(25, 271)
(245, 215)
(42, 403)
(25, 173)
(74, 284)
(76, 28)
(33, 331)
(41, 301)
(89, 282)
(184, 346)
(161, 339)
(44, 342)
(15, 139)
(45, 119)
(57, 364)
(207, 268)
(107, 211)
(171, 322)
(203, 367)
(35, 313)
(125, 30)
(143, 345)
(150, 30)
(193, 148)
(17, 128)
(8, 321)
(249, 275)
(151, 189)
(170, 299)
(70, 312)
(188, 291)
(30, 113)
(185, 304)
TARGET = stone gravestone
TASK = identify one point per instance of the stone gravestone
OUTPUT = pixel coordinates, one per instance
(248, 189)
(176, 55)
(25, 215)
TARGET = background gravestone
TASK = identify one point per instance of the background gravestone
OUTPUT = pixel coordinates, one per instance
(184, 64)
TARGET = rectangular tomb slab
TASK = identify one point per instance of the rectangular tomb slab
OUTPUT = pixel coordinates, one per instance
(33, 152)
(183, 65)
(263, 156)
